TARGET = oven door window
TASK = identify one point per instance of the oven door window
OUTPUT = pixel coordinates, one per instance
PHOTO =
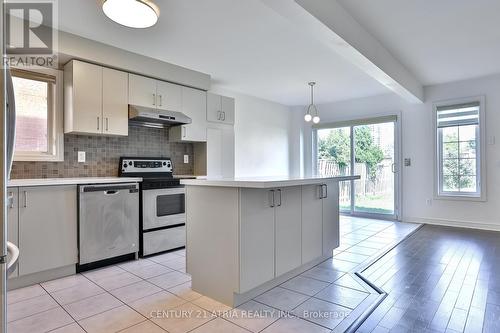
(170, 204)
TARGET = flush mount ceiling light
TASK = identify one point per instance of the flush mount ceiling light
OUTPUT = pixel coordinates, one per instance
(312, 111)
(132, 13)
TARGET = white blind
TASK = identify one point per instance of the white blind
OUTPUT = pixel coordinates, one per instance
(458, 115)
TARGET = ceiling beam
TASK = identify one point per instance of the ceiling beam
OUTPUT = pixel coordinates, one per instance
(328, 22)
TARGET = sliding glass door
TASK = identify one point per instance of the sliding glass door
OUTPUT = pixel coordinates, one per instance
(368, 149)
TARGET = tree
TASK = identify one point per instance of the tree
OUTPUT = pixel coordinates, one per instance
(336, 147)
(458, 172)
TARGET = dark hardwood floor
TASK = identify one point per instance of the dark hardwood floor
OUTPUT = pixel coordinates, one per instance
(440, 279)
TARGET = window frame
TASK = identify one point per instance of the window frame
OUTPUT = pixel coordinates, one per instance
(55, 124)
(480, 194)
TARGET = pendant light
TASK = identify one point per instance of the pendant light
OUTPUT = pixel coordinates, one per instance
(312, 111)
(132, 13)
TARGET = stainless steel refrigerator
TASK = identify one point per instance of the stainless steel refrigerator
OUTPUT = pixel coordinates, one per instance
(8, 251)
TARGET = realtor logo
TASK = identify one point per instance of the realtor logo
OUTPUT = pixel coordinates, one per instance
(31, 34)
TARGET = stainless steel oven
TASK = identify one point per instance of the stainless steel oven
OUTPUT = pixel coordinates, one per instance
(162, 224)
(163, 207)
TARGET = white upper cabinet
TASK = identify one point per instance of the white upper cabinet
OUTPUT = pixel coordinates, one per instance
(114, 102)
(194, 105)
(151, 93)
(141, 91)
(220, 109)
(168, 96)
(83, 98)
(95, 99)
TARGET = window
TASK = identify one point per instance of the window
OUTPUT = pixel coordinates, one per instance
(459, 149)
(39, 127)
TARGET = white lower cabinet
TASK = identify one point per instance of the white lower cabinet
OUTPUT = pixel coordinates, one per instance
(256, 238)
(320, 220)
(312, 222)
(13, 221)
(288, 229)
(331, 232)
(270, 233)
(47, 222)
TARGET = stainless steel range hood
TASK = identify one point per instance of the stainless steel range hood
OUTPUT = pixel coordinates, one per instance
(149, 117)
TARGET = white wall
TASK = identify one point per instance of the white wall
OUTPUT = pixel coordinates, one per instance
(417, 144)
(262, 134)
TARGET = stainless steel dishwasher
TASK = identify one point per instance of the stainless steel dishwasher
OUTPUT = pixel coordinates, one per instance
(108, 223)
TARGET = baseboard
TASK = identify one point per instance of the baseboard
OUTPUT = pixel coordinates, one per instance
(453, 223)
(28, 280)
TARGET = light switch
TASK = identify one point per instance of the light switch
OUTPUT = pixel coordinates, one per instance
(491, 140)
(186, 159)
(81, 157)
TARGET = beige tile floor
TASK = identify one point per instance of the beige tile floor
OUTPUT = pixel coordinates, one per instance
(154, 295)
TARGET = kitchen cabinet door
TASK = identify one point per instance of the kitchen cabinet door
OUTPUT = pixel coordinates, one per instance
(312, 223)
(13, 220)
(228, 109)
(256, 238)
(220, 109)
(220, 151)
(168, 96)
(331, 234)
(83, 98)
(215, 149)
(214, 107)
(142, 91)
(288, 229)
(194, 105)
(115, 102)
(47, 228)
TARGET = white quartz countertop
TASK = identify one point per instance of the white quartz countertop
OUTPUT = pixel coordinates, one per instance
(261, 182)
(71, 181)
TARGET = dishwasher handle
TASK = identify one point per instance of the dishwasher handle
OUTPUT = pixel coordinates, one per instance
(109, 188)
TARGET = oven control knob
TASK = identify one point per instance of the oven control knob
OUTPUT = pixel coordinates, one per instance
(125, 165)
(130, 163)
(164, 163)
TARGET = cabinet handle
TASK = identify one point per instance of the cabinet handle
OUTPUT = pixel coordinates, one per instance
(161, 100)
(154, 99)
(98, 120)
(219, 115)
(25, 199)
(11, 200)
(325, 191)
(107, 124)
(279, 192)
(223, 116)
(183, 130)
(271, 199)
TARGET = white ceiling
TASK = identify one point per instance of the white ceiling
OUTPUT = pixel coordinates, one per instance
(246, 47)
(438, 41)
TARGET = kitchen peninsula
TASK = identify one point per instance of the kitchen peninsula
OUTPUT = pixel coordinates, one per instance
(247, 235)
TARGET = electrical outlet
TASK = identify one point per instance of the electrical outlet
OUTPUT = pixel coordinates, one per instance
(186, 159)
(491, 140)
(428, 202)
(407, 162)
(81, 157)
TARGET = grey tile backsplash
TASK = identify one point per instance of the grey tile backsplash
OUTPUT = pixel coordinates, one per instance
(103, 153)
